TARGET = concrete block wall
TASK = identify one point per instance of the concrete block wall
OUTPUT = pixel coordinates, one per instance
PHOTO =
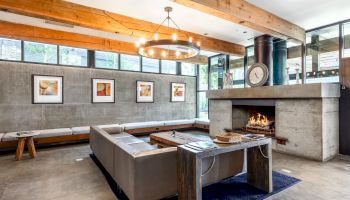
(18, 112)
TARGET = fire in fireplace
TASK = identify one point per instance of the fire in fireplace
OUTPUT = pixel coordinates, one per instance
(260, 123)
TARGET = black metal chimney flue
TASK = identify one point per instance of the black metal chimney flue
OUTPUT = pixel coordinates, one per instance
(263, 48)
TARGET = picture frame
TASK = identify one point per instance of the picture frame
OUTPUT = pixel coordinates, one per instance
(47, 89)
(178, 92)
(144, 91)
(102, 90)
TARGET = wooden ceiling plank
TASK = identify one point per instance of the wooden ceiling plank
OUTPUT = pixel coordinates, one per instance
(75, 14)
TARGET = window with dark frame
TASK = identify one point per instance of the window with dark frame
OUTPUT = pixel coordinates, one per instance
(73, 56)
(10, 49)
(168, 67)
(150, 65)
(130, 62)
(40, 52)
(106, 60)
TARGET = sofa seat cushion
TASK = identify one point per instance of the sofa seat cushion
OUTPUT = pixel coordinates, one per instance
(128, 139)
(11, 136)
(81, 130)
(141, 147)
(136, 125)
(120, 135)
(112, 128)
(202, 121)
(179, 122)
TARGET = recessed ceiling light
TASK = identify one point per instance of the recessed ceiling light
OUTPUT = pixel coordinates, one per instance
(205, 34)
(244, 32)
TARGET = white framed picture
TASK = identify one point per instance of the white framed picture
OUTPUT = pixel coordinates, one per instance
(144, 91)
(178, 92)
(103, 90)
(47, 89)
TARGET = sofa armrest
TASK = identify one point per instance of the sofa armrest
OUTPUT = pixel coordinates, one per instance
(102, 145)
(155, 174)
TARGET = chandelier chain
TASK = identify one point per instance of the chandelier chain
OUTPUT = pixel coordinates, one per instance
(108, 15)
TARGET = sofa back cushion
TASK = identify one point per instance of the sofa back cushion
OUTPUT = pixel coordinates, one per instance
(112, 128)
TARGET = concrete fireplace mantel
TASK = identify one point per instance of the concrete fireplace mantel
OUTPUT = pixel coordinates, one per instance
(316, 90)
(307, 115)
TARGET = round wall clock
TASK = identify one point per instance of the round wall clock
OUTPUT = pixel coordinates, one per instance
(257, 75)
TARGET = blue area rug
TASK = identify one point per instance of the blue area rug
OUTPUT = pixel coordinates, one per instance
(237, 188)
(234, 188)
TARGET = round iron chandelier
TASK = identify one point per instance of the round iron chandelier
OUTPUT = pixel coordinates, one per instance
(168, 48)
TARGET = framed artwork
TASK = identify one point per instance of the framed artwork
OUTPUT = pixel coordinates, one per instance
(103, 90)
(178, 92)
(47, 89)
(144, 91)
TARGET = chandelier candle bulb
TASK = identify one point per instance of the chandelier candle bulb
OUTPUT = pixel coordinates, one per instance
(190, 39)
(151, 52)
(177, 53)
(174, 36)
(198, 43)
(164, 54)
(142, 40)
(156, 36)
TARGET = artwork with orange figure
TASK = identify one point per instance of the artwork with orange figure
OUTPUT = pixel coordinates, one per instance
(145, 90)
(103, 89)
(48, 87)
(178, 91)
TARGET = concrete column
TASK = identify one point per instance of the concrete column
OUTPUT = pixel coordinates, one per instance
(220, 115)
(279, 61)
(313, 51)
(263, 46)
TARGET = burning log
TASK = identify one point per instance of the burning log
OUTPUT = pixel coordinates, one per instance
(260, 124)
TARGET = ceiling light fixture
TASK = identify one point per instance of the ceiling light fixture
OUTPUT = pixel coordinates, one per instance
(165, 47)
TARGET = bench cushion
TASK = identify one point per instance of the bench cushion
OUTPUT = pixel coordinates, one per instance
(136, 125)
(42, 134)
(10, 136)
(179, 122)
(202, 121)
(112, 128)
(81, 130)
(53, 132)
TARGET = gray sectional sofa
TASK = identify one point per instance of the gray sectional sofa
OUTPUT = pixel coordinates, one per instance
(145, 172)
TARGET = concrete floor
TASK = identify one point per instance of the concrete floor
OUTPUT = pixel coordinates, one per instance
(68, 173)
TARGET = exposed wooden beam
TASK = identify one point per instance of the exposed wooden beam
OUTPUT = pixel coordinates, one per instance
(79, 15)
(37, 34)
(246, 14)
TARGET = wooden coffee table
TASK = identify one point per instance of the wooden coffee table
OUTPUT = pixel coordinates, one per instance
(168, 139)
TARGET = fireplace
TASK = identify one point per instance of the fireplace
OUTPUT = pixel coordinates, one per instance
(306, 117)
(256, 116)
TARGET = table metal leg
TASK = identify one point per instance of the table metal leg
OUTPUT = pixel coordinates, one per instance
(259, 168)
(189, 169)
(20, 148)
